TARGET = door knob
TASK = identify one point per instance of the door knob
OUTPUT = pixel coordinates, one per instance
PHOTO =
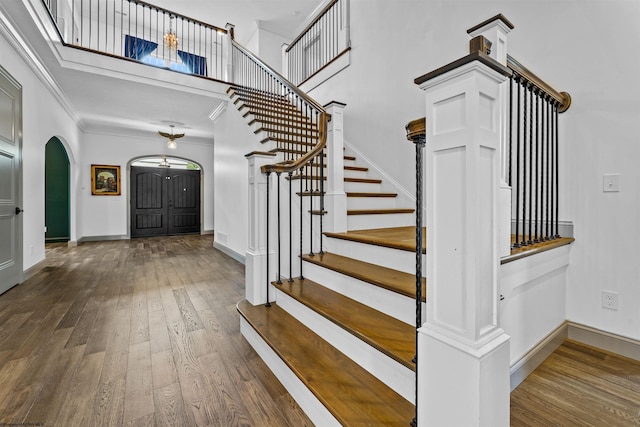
(18, 210)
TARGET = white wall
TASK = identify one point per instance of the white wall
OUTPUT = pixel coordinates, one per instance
(109, 216)
(42, 118)
(233, 139)
(266, 44)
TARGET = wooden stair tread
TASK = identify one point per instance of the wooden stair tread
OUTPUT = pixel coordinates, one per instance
(351, 394)
(365, 194)
(379, 211)
(353, 194)
(401, 238)
(387, 278)
(391, 336)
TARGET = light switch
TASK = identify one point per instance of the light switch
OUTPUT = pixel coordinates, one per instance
(611, 182)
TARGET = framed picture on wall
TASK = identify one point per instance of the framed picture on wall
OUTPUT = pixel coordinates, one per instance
(105, 180)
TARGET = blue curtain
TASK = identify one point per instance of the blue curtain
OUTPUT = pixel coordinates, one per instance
(197, 64)
(138, 48)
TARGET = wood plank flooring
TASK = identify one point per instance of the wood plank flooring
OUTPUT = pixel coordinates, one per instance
(139, 332)
(579, 385)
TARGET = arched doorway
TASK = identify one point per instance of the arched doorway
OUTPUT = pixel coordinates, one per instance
(165, 196)
(56, 193)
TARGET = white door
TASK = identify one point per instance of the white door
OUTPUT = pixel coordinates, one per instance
(10, 196)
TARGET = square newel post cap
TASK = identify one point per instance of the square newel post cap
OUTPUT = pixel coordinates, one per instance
(495, 31)
(231, 29)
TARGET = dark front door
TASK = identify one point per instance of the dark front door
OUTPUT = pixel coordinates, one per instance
(164, 201)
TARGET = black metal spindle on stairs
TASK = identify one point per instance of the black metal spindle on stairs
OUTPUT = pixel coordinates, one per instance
(416, 132)
(533, 125)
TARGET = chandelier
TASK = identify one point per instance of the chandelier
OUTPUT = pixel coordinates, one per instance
(170, 37)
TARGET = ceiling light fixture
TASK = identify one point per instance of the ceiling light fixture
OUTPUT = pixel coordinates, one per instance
(172, 138)
(164, 163)
(170, 37)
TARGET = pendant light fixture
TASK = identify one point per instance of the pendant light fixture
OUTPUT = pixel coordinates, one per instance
(172, 138)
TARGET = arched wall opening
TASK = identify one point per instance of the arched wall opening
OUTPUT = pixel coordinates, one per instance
(57, 194)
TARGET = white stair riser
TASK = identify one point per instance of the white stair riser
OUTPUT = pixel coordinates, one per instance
(363, 222)
(311, 406)
(371, 202)
(386, 257)
(398, 377)
(362, 187)
(391, 303)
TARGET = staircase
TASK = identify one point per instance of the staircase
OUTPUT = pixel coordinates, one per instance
(342, 338)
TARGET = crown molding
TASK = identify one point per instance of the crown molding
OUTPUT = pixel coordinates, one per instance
(32, 60)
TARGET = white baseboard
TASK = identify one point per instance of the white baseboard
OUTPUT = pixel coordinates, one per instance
(229, 252)
(534, 357)
(593, 337)
(101, 238)
(613, 343)
(33, 270)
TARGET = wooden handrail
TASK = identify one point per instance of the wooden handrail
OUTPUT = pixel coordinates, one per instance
(311, 24)
(416, 128)
(323, 119)
(177, 15)
(278, 76)
(563, 98)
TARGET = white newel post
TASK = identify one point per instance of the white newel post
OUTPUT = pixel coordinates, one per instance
(495, 30)
(335, 200)
(257, 255)
(463, 354)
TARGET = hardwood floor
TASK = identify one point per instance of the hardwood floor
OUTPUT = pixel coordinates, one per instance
(579, 385)
(139, 332)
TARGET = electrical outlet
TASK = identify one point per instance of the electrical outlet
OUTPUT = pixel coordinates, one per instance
(610, 300)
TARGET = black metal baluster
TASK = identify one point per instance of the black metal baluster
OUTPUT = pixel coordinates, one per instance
(548, 105)
(557, 170)
(321, 196)
(530, 240)
(419, 141)
(290, 227)
(268, 303)
(311, 254)
(510, 158)
(536, 205)
(517, 190)
(279, 281)
(524, 166)
(301, 252)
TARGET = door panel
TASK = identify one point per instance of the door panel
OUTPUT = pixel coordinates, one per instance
(148, 210)
(184, 203)
(10, 195)
(164, 201)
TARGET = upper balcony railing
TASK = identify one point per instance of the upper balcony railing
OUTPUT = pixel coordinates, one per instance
(142, 32)
(321, 42)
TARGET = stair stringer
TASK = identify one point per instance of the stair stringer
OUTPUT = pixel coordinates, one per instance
(395, 375)
(309, 403)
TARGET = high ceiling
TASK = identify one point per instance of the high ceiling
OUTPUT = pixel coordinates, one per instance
(113, 102)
